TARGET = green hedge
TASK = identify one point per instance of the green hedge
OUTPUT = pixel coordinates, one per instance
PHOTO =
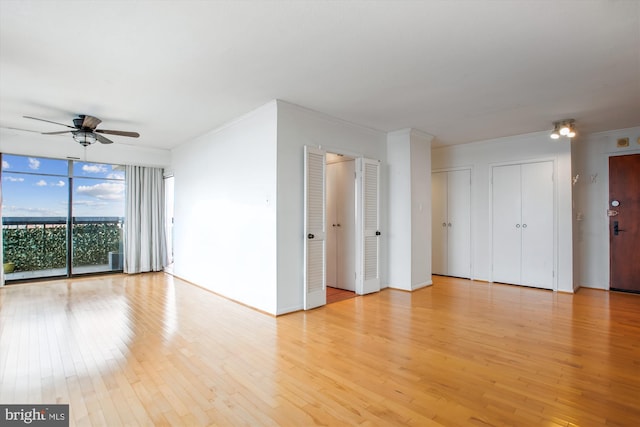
(41, 248)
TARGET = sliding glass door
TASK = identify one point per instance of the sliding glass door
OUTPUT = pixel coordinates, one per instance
(60, 217)
(97, 217)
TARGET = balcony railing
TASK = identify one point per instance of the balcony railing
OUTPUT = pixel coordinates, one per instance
(43, 246)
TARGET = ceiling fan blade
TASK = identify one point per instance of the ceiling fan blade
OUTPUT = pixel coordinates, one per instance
(48, 121)
(56, 133)
(24, 130)
(118, 132)
(91, 122)
(102, 139)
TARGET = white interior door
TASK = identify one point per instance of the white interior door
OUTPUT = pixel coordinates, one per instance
(459, 223)
(439, 219)
(537, 224)
(368, 172)
(506, 224)
(315, 293)
(331, 243)
(346, 227)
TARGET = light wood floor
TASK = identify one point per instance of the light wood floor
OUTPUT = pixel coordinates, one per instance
(153, 350)
(335, 295)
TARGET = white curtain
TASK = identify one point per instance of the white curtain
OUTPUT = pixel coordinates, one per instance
(144, 237)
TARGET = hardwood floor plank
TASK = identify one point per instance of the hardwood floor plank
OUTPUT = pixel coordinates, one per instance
(153, 350)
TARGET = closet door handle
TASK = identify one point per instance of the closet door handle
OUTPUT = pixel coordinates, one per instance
(310, 236)
(524, 225)
(444, 224)
(517, 225)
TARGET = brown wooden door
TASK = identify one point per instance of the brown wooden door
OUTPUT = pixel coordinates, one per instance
(624, 228)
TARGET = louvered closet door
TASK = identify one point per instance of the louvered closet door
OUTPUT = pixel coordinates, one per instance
(314, 224)
(369, 236)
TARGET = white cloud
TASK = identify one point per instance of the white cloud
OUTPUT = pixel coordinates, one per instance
(58, 184)
(12, 179)
(34, 163)
(5, 164)
(94, 168)
(103, 191)
(41, 183)
(116, 175)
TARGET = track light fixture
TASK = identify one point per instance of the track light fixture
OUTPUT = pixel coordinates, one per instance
(563, 128)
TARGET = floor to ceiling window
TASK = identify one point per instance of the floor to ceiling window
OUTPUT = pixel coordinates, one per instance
(60, 217)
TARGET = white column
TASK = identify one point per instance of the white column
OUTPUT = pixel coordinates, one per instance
(409, 235)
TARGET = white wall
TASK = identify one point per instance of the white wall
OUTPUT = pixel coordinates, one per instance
(480, 156)
(409, 166)
(420, 210)
(56, 147)
(399, 234)
(225, 210)
(298, 127)
(591, 198)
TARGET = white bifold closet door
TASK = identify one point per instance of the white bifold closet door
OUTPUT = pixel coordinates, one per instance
(315, 292)
(368, 233)
(451, 223)
(367, 227)
(522, 224)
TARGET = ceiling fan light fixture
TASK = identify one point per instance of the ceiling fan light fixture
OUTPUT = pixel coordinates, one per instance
(84, 138)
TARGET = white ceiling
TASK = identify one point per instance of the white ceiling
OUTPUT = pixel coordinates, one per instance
(460, 70)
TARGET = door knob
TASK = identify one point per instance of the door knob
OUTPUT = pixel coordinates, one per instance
(377, 233)
(311, 236)
(517, 225)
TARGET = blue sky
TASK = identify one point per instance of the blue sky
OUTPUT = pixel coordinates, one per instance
(34, 186)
